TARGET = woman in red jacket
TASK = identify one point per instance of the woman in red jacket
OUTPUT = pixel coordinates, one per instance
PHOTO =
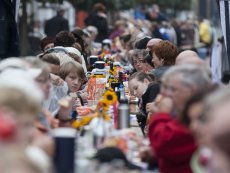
(172, 142)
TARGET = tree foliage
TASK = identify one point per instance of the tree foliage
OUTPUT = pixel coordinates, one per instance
(87, 5)
(110, 4)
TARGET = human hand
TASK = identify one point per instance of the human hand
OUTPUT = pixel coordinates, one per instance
(76, 103)
(84, 96)
(65, 110)
(145, 153)
(161, 104)
(56, 80)
(165, 105)
(43, 141)
(152, 108)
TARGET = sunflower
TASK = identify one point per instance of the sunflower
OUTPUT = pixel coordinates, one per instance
(82, 122)
(110, 80)
(110, 97)
(104, 105)
(112, 72)
(106, 117)
(85, 120)
(76, 124)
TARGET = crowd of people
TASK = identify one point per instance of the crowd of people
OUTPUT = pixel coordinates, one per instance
(181, 112)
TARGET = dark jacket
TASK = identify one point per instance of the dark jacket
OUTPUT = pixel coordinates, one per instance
(55, 25)
(9, 39)
(158, 72)
(100, 23)
(149, 96)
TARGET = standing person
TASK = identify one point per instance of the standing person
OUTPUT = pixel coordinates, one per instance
(98, 19)
(56, 24)
(9, 39)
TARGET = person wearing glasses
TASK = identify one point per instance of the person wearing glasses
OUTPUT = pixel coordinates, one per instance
(139, 62)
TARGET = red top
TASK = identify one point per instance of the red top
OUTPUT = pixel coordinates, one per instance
(172, 143)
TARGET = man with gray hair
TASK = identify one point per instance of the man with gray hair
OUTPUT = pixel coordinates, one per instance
(172, 143)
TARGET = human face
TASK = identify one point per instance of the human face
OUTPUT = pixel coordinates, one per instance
(149, 46)
(73, 81)
(217, 121)
(44, 83)
(157, 61)
(139, 64)
(217, 124)
(48, 46)
(173, 88)
(137, 88)
(54, 69)
(196, 125)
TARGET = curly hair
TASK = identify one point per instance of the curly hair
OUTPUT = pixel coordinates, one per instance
(167, 51)
(65, 39)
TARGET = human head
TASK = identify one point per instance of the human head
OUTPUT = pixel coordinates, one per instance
(188, 57)
(216, 112)
(53, 62)
(60, 11)
(80, 37)
(138, 59)
(64, 38)
(138, 83)
(192, 113)
(120, 24)
(77, 46)
(73, 73)
(164, 54)
(142, 43)
(46, 43)
(153, 11)
(216, 118)
(93, 32)
(99, 7)
(181, 82)
(12, 63)
(151, 43)
(75, 54)
(22, 108)
(43, 77)
(106, 45)
(20, 99)
(61, 53)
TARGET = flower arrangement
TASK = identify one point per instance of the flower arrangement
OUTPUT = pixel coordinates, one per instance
(112, 76)
(109, 98)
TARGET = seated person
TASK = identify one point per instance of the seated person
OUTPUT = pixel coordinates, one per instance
(141, 85)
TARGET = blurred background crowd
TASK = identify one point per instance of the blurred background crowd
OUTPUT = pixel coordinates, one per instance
(168, 56)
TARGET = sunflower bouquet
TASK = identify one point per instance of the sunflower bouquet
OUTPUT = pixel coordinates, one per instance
(101, 110)
(109, 100)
